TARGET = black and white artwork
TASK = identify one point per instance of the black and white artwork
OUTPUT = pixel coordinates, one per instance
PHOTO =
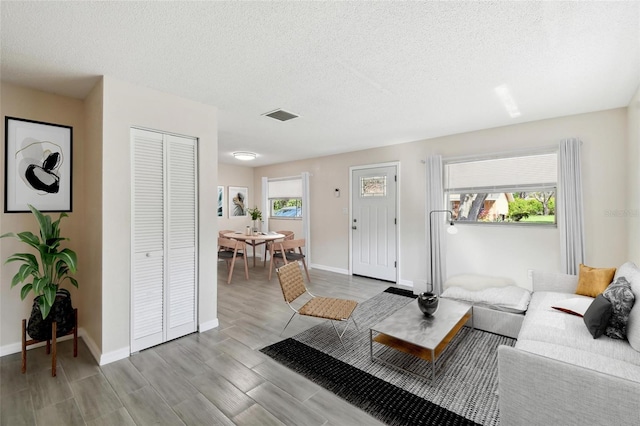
(221, 201)
(37, 166)
(238, 197)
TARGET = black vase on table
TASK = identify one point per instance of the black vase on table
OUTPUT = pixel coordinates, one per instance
(428, 303)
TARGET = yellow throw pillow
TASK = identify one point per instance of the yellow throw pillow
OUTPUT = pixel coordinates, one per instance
(593, 281)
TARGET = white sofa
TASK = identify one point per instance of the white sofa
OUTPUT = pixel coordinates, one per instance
(557, 373)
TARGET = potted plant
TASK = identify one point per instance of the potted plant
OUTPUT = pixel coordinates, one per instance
(256, 216)
(43, 276)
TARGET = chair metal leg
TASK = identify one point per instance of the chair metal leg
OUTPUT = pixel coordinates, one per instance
(354, 323)
(285, 327)
(339, 335)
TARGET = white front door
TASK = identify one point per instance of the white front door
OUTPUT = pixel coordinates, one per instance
(374, 222)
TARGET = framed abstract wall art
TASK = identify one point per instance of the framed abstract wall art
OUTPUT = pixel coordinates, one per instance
(221, 201)
(38, 159)
(238, 197)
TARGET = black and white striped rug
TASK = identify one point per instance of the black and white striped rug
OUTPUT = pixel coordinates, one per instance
(464, 392)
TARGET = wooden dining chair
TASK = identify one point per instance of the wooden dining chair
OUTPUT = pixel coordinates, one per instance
(288, 235)
(229, 250)
(285, 252)
(292, 285)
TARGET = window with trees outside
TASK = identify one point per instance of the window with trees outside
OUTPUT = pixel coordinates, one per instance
(516, 189)
(285, 198)
(286, 208)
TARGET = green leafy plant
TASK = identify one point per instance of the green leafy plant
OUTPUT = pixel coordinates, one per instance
(43, 278)
(255, 213)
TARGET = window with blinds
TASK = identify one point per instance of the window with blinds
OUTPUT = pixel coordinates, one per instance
(285, 198)
(515, 189)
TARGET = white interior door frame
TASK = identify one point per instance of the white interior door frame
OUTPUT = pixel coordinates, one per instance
(398, 213)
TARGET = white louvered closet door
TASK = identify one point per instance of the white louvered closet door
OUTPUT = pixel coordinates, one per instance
(181, 241)
(163, 285)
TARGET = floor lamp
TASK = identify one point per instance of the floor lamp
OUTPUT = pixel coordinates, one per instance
(451, 229)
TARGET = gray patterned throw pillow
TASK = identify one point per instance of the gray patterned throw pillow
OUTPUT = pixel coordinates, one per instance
(621, 297)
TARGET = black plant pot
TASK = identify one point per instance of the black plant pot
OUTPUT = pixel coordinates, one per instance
(61, 312)
(428, 303)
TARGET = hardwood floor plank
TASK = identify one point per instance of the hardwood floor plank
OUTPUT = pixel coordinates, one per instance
(294, 384)
(63, 413)
(146, 407)
(199, 411)
(16, 408)
(171, 386)
(80, 367)
(11, 378)
(235, 372)
(338, 411)
(256, 415)
(229, 399)
(241, 353)
(284, 407)
(95, 397)
(124, 377)
(119, 417)
(46, 390)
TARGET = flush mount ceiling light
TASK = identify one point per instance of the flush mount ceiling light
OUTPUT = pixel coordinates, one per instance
(280, 114)
(245, 155)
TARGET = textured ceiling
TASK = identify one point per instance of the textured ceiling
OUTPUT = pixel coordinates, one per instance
(359, 74)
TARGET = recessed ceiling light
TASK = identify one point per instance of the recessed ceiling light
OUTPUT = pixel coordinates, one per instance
(245, 155)
(507, 100)
(280, 114)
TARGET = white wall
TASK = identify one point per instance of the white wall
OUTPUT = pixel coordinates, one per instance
(633, 167)
(604, 150)
(125, 106)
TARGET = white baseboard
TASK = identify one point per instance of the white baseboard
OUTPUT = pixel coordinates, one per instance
(114, 356)
(329, 268)
(208, 325)
(91, 344)
(14, 348)
(406, 283)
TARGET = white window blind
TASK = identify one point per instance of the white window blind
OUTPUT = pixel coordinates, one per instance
(285, 188)
(495, 174)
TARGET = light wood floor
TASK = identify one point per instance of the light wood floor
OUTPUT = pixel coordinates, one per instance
(214, 378)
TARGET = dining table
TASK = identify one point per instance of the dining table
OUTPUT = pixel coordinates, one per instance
(254, 240)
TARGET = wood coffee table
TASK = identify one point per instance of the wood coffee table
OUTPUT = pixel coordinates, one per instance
(409, 330)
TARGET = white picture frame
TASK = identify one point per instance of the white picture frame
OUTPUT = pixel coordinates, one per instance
(238, 197)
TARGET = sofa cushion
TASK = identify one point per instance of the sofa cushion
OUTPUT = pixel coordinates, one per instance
(542, 323)
(509, 299)
(582, 358)
(597, 316)
(474, 282)
(621, 297)
(593, 281)
(632, 273)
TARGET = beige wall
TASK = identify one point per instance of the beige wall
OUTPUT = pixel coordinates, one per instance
(31, 104)
(604, 149)
(126, 106)
(232, 175)
(633, 167)
(92, 295)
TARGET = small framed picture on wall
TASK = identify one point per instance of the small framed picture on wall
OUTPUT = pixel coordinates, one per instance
(221, 201)
(37, 166)
(238, 196)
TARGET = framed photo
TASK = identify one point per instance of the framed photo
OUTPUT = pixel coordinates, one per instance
(38, 159)
(238, 197)
(221, 201)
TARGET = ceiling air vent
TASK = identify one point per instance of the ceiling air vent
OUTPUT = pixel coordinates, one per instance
(280, 114)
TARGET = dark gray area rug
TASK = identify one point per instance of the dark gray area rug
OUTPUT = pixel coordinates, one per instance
(464, 393)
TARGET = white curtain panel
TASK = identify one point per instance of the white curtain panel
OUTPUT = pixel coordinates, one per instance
(435, 232)
(569, 206)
